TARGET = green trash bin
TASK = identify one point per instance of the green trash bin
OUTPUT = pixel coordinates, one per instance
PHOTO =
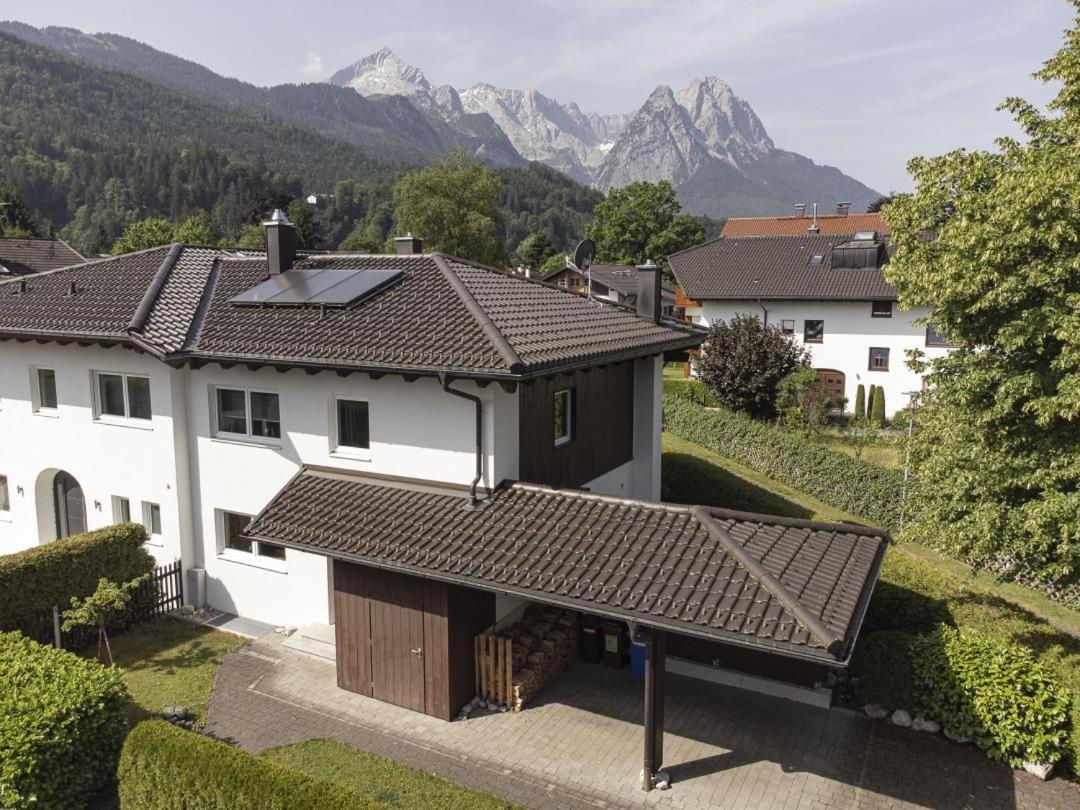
(616, 652)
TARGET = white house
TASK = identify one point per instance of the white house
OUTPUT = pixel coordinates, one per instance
(408, 447)
(828, 291)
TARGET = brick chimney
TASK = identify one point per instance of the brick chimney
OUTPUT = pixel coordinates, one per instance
(408, 244)
(648, 291)
(280, 242)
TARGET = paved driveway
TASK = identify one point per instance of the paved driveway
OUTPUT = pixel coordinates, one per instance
(580, 744)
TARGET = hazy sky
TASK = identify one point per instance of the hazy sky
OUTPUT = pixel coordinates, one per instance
(858, 84)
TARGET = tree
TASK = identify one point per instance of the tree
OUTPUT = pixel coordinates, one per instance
(253, 237)
(879, 203)
(305, 222)
(144, 234)
(553, 264)
(744, 361)
(989, 242)
(876, 416)
(453, 205)
(803, 402)
(534, 250)
(197, 230)
(364, 238)
(860, 402)
(642, 221)
(15, 217)
(101, 608)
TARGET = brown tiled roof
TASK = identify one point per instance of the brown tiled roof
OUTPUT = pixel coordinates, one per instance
(619, 277)
(444, 314)
(797, 226)
(21, 256)
(775, 267)
(797, 586)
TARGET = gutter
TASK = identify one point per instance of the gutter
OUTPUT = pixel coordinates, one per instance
(445, 382)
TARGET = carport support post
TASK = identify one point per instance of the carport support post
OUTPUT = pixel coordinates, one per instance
(655, 652)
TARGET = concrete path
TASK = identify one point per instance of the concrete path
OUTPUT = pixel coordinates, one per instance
(580, 744)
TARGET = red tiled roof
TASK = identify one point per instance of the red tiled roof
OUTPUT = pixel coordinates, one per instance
(797, 226)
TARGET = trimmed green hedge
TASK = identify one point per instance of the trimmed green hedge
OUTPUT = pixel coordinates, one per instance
(34, 580)
(163, 767)
(882, 664)
(691, 389)
(996, 694)
(62, 722)
(866, 490)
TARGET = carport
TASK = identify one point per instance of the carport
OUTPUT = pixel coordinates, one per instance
(785, 587)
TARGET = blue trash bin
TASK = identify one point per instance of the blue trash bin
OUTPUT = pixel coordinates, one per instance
(637, 659)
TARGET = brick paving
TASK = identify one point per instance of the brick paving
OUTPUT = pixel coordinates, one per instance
(579, 745)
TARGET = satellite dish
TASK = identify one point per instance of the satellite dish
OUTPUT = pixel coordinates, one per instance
(584, 254)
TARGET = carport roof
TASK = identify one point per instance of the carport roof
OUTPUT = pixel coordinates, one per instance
(795, 587)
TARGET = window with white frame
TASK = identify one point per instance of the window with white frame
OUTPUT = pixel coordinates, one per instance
(151, 518)
(564, 415)
(5, 497)
(121, 509)
(44, 390)
(121, 396)
(231, 527)
(352, 425)
(245, 413)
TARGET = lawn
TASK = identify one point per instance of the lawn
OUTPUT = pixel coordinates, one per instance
(381, 779)
(885, 455)
(168, 662)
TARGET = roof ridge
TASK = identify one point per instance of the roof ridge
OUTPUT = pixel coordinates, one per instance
(142, 312)
(832, 641)
(487, 325)
(87, 263)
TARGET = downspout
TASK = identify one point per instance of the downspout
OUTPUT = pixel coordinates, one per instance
(445, 382)
(765, 319)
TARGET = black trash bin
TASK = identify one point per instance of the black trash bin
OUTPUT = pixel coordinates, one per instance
(616, 652)
(590, 641)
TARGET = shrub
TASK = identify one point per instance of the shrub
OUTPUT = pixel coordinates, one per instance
(864, 489)
(877, 408)
(860, 402)
(62, 722)
(882, 663)
(694, 390)
(163, 767)
(997, 694)
(34, 580)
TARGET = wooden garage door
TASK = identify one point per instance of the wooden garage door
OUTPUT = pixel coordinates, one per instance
(397, 651)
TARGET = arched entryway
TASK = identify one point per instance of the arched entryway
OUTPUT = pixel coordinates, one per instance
(61, 505)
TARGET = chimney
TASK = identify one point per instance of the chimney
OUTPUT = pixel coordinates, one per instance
(648, 291)
(842, 208)
(408, 244)
(280, 242)
(814, 227)
(800, 210)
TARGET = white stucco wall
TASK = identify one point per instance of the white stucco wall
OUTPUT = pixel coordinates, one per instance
(850, 332)
(132, 459)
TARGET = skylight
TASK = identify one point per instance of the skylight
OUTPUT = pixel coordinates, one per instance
(817, 258)
(865, 236)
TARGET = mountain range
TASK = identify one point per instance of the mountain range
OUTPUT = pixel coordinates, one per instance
(704, 139)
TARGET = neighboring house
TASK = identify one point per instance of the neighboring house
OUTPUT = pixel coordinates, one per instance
(21, 256)
(610, 282)
(827, 291)
(378, 416)
(803, 223)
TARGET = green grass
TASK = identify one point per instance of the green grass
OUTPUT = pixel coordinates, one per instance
(381, 779)
(884, 455)
(168, 662)
(673, 371)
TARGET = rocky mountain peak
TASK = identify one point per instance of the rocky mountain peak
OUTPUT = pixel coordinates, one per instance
(383, 73)
(725, 120)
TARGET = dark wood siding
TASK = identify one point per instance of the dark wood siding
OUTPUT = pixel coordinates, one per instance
(603, 426)
(741, 659)
(382, 616)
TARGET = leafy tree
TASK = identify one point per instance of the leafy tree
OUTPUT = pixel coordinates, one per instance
(364, 238)
(197, 229)
(744, 361)
(860, 402)
(553, 264)
(878, 204)
(306, 223)
(15, 217)
(253, 237)
(803, 402)
(144, 234)
(101, 608)
(453, 206)
(534, 250)
(989, 242)
(642, 221)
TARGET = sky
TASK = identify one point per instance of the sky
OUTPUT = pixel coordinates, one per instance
(863, 85)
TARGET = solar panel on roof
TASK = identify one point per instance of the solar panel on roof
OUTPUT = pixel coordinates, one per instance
(323, 287)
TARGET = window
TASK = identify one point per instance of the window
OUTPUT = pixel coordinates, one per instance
(45, 389)
(151, 518)
(564, 416)
(817, 258)
(879, 359)
(813, 331)
(936, 337)
(232, 525)
(352, 425)
(121, 509)
(881, 309)
(252, 414)
(5, 498)
(125, 396)
(787, 327)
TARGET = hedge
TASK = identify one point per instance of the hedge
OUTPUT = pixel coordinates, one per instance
(34, 580)
(62, 722)
(163, 767)
(996, 694)
(691, 389)
(865, 490)
(882, 665)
